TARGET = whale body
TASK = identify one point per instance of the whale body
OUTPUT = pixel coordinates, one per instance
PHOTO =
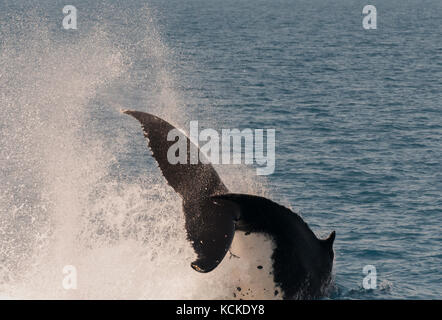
(302, 263)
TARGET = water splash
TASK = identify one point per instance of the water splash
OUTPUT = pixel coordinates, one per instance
(61, 202)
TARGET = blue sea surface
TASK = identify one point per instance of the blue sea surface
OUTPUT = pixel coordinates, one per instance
(357, 113)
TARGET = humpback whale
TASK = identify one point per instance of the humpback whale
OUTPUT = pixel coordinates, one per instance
(302, 263)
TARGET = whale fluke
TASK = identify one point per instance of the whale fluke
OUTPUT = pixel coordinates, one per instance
(209, 228)
(302, 263)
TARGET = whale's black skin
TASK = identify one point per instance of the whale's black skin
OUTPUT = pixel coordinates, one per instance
(302, 263)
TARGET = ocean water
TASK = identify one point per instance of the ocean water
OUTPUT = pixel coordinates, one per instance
(358, 121)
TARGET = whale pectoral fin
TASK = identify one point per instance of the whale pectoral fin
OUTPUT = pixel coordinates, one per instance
(185, 178)
(200, 266)
(210, 228)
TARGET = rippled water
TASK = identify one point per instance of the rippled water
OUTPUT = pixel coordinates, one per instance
(359, 138)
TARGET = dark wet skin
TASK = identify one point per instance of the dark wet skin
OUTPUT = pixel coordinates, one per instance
(302, 263)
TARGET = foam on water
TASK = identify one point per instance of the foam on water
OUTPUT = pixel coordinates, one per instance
(61, 201)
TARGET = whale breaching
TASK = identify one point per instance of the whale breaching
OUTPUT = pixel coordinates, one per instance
(302, 263)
